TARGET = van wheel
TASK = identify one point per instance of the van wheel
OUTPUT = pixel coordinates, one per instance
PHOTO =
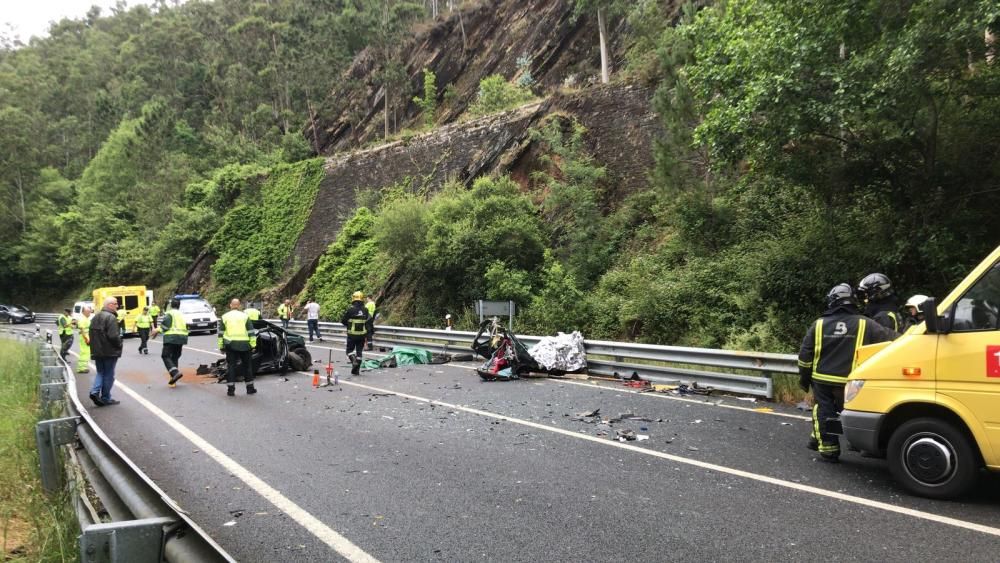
(932, 458)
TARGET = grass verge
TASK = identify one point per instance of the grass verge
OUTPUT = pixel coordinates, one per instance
(33, 525)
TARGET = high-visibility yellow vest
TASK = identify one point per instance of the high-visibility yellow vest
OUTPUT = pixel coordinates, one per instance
(65, 325)
(121, 315)
(154, 311)
(178, 326)
(252, 313)
(370, 307)
(143, 321)
(283, 311)
(83, 325)
(235, 329)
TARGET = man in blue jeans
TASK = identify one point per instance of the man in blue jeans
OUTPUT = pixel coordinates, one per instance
(312, 319)
(106, 348)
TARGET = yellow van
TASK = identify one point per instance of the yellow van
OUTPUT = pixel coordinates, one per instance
(930, 400)
(131, 298)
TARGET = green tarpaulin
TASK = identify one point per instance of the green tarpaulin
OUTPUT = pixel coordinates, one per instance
(400, 357)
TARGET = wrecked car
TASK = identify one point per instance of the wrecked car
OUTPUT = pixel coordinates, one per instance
(277, 351)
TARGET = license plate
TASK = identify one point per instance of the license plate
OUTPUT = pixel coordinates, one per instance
(202, 325)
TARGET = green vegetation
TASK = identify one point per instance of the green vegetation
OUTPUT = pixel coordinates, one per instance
(428, 103)
(33, 526)
(497, 94)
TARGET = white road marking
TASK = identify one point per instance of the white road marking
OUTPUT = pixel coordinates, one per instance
(861, 501)
(327, 535)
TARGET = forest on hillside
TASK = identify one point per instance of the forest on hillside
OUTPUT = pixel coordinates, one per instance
(805, 144)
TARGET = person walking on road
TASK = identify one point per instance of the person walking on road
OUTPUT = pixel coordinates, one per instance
(356, 320)
(285, 313)
(120, 315)
(253, 313)
(826, 359)
(237, 338)
(143, 323)
(175, 336)
(312, 319)
(66, 323)
(106, 345)
(370, 325)
(83, 326)
(154, 313)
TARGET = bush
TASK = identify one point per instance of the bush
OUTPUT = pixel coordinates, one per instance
(496, 94)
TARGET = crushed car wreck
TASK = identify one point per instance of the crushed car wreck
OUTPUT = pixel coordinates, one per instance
(277, 351)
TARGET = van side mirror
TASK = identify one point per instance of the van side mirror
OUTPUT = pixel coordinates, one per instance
(935, 324)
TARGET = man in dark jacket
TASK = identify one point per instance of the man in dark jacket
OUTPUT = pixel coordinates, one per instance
(106, 348)
(826, 359)
(356, 321)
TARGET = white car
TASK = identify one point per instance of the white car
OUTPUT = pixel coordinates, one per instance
(199, 316)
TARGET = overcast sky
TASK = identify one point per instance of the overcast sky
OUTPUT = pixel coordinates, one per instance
(32, 17)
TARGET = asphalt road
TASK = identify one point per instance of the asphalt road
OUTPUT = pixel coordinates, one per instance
(429, 463)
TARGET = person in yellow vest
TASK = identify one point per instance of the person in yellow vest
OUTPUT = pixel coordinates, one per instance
(142, 325)
(237, 338)
(154, 313)
(120, 315)
(83, 326)
(252, 313)
(175, 336)
(285, 313)
(356, 320)
(370, 325)
(65, 323)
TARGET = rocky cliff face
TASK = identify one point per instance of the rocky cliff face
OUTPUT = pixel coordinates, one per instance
(621, 128)
(561, 50)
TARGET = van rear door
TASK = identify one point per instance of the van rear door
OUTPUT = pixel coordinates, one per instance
(968, 361)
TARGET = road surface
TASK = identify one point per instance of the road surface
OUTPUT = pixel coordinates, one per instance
(429, 463)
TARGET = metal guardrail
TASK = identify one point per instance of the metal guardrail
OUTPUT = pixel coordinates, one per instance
(726, 370)
(138, 523)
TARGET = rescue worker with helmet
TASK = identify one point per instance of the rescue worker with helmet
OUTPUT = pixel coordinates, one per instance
(65, 322)
(237, 338)
(356, 320)
(143, 323)
(875, 291)
(175, 336)
(915, 311)
(826, 358)
(83, 326)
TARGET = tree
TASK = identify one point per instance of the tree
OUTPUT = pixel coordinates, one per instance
(428, 103)
(604, 9)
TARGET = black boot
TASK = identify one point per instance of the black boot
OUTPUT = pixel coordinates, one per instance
(251, 390)
(231, 391)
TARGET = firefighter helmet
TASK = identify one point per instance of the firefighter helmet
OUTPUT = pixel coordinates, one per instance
(874, 287)
(841, 294)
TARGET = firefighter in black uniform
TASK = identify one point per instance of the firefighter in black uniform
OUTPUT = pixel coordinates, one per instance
(875, 290)
(356, 320)
(827, 358)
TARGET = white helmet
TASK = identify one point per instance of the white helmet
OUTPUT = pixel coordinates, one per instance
(917, 302)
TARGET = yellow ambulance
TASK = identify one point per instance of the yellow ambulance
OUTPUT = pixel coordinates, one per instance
(131, 298)
(930, 400)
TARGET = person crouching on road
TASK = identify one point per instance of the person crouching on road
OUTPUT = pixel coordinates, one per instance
(106, 344)
(83, 326)
(356, 319)
(237, 338)
(175, 336)
(826, 359)
(142, 325)
(66, 322)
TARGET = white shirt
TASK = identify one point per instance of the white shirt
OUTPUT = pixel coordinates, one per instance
(312, 308)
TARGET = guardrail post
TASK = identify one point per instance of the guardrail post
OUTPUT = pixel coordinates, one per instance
(49, 435)
(131, 541)
(52, 374)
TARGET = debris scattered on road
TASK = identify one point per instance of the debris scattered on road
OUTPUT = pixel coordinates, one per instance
(236, 513)
(203, 369)
(641, 437)
(803, 406)
(696, 421)
(230, 523)
(692, 448)
(625, 435)
(747, 399)
(381, 394)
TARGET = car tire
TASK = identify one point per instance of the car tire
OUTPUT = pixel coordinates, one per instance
(299, 359)
(932, 458)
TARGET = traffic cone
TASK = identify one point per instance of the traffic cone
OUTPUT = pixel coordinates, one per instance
(315, 378)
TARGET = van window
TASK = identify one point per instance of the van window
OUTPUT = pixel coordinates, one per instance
(119, 298)
(979, 308)
(131, 302)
